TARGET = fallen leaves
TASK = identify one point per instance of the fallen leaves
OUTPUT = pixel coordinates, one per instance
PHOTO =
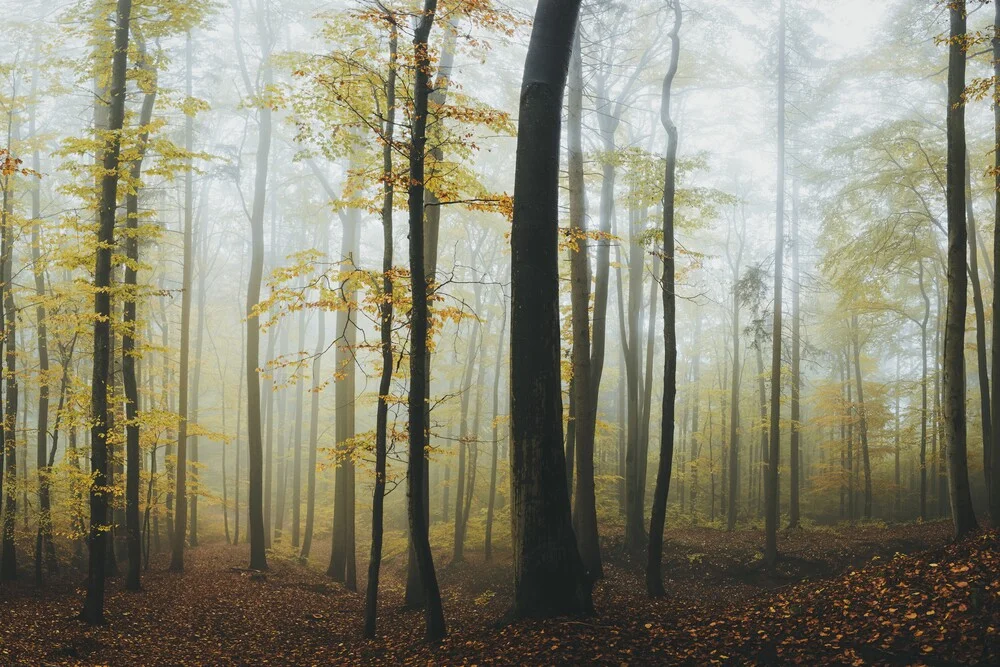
(722, 608)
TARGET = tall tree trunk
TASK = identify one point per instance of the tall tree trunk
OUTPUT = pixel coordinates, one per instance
(734, 393)
(963, 515)
(297, 438)
(549, 575)
(658, 513)
(133, 452)
(342, 558)
(180, 495)
(385, 336)
(417, 399)
(862, 419)
(982, 362)
(415, 595)
(771, 488)
(923, 395)
(584, 407)
(258, 557)
(795, 452)
(994, 445)
(43, 542)
(317, 384)
(8, 318)
(495, 441)
(93, 606)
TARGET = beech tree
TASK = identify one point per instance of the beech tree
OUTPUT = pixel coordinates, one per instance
(93, 607)
(549, 576)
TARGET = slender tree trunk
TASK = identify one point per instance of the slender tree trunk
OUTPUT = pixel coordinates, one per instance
(258, 557)
(734, 400)
(93, 607)
(488, 550)
(771, 487)
(658, 514)
(8, 316)
(317, 384)
(415, 595)
(417, 400)
(982, 362)
(133, 452)
(963, 515)
(994, 445)
(180, 495)
(43, 542)
(388, 357)
(862, 420)
(795, 453)
(300, 397)
(342, 559)
(923, 396)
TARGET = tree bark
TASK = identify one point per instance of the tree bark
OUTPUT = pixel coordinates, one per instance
(93, 606)
(963, 515)
(129, 376)
(385, 336)
(771, 509)
(549, 575)
(658, 514)
(994, 445)
(258, 557)
(417, 399)
(180, 495)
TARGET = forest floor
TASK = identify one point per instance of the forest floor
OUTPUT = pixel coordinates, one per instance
(869, 595)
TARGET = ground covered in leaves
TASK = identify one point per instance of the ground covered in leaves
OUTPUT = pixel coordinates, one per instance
(869, 595)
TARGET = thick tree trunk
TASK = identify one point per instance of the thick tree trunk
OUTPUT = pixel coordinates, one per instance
(963, 515)
(93, 606)
(549, 576)
(658, 513)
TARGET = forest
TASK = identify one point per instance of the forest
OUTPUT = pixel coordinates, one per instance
(499, 332)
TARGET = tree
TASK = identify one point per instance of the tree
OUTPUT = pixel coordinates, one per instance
(258, 558)
(549, 576)
(129, 353)
(658, 514)
(385, 333)
(181, 495)
(417, 399)
(771, 508)
(93, 606)
(994, 482)
(583, 405)
(963, 515)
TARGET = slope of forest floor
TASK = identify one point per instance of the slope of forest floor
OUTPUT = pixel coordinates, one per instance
(866, 595)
